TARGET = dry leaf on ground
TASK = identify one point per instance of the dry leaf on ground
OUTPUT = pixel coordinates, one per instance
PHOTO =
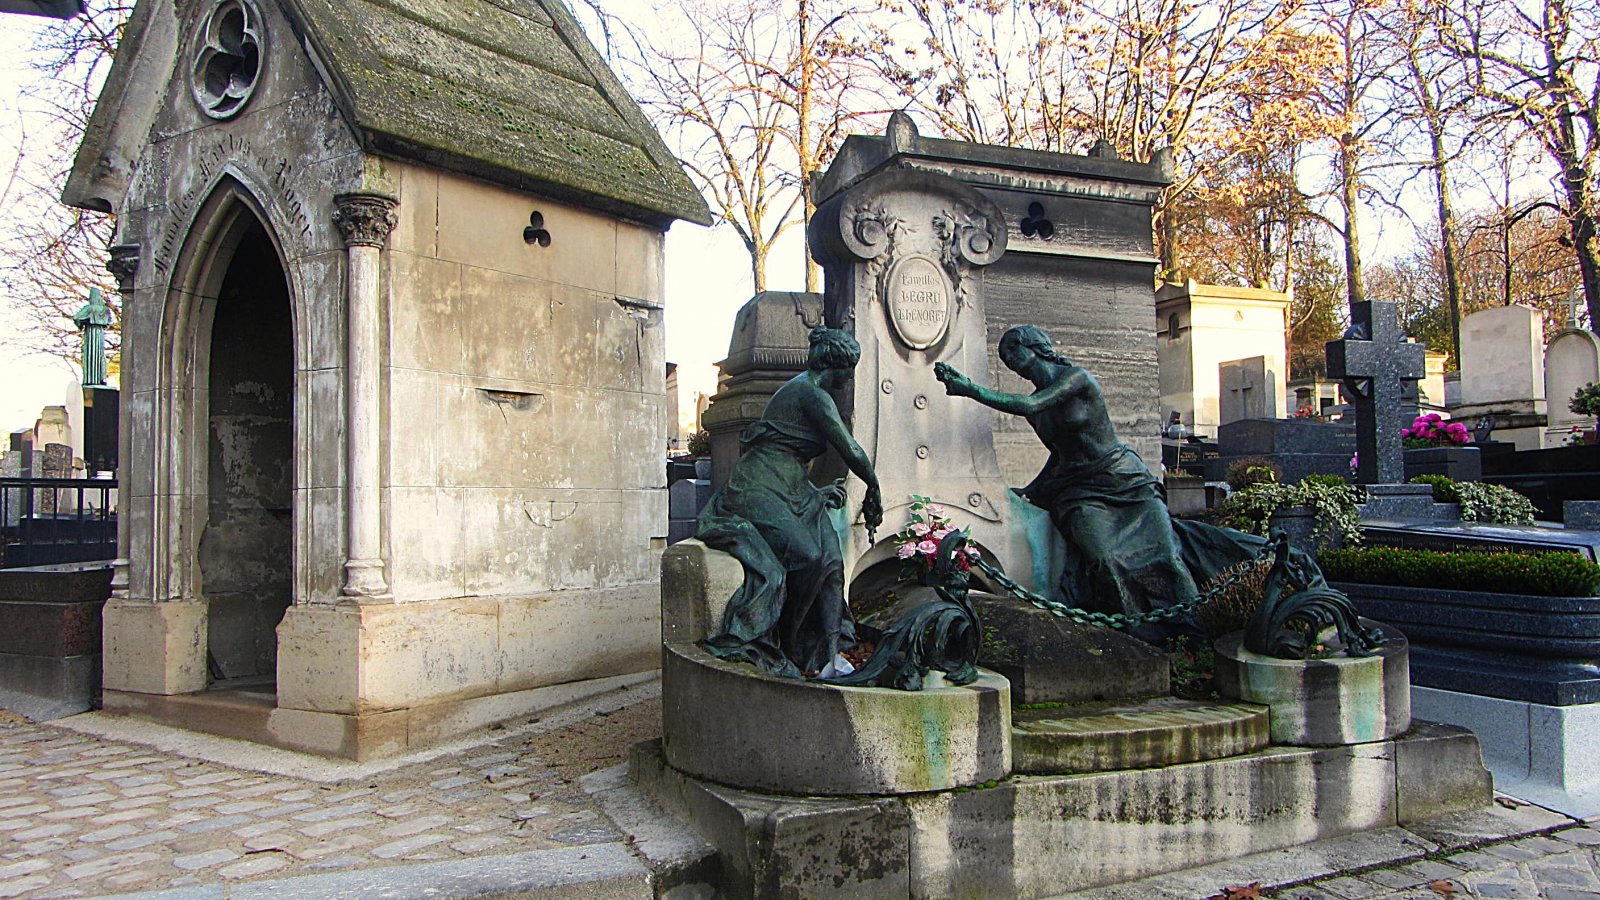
(1442, 888)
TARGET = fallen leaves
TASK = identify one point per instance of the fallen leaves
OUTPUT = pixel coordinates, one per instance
(1442, 888)
(1251, 891)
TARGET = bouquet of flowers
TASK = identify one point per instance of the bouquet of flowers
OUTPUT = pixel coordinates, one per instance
(919, 539)
(1432, 430)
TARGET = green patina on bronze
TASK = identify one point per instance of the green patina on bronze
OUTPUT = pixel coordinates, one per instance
(1130, 564)
(789, 617)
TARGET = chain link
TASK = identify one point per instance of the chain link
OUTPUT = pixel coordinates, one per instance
(1122, 620)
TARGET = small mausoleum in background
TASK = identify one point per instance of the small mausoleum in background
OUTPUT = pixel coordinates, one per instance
(1222, 353)
(392, 365)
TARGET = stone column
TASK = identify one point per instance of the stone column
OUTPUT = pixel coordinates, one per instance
(365, 220)
(124, 266)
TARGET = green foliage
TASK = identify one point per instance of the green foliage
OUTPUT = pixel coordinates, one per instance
(1325, 479)
(1444, 487)
(1488, 503)
(700, 443)
(1586, 400)
(1544, 574)
(1333, 504)
(1493, 503)
(1193, 668)
(1248, 470)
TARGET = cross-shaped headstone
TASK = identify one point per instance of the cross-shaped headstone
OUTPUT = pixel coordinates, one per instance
(1379, 368)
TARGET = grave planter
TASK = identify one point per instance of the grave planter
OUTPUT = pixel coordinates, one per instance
(1458, 463)
(50, 645)
(1522, 647)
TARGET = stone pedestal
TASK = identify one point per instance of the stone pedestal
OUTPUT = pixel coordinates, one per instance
(50, 643)
(728, 723)
(1322, 702)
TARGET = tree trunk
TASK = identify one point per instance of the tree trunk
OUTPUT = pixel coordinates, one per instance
(1349, 176)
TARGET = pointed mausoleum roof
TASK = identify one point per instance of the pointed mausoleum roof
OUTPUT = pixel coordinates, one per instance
(507, 90)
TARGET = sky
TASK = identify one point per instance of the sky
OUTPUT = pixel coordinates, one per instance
(707, 278)
(707, 270)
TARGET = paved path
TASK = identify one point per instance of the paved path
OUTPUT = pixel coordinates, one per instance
(85, 815)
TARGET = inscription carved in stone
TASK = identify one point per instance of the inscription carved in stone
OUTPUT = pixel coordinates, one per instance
(918, 302)
(229, 50)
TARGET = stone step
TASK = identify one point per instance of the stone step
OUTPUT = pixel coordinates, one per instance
(1108, 737)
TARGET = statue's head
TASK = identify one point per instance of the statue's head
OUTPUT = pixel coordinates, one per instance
(832, 349)
(1031, 338)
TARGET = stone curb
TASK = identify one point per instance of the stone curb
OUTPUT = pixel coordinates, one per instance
(599, 871)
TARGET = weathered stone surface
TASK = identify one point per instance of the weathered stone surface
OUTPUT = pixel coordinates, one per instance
(728, 723)
(1321, 702)
(1048, 659)
(155, 648)
(48, 687)
(1162, 732)
(696, 583)
(1040, 836)
(774, 846)
(1439, 769)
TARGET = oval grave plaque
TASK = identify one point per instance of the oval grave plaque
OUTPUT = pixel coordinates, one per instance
(918, 302)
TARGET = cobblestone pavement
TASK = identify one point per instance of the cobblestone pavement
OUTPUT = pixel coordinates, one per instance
(1560, 865)
(83, 816)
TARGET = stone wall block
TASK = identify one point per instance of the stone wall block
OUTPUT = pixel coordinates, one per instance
(1439, 769)
(319, 658)
(482, 225)
(641, 267)
(319, 427)
(418, 230)
(320, 333)
(696, 584)
(513, 327)
(426, 313)
(426, 543)
(155, 648)
(563, 636)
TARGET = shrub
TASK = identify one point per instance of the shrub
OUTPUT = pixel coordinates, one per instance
(1493, 503)
(1248, 470)
(1444, 487)
(700, 443)
(1334, 506)
(1325, 480)
(1544, 574)
(1586, 400)
(1431, 430)
(1233, 609)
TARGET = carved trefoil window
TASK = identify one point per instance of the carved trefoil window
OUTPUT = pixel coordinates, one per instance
(230, 50)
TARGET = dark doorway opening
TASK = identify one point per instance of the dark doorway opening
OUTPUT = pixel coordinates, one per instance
(245, 550)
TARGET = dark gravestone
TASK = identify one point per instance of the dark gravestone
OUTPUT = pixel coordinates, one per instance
(1448, 538)
(1548, 477)
(1380, 369)
(1188, 457)
(1298, 447)
(101, 406)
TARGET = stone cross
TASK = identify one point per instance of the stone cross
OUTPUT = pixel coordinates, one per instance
(1379, 368)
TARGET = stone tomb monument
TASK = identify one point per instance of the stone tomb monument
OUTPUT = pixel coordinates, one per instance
(1502, 374)
(814, 789)
(1571, 361)
(341, 225)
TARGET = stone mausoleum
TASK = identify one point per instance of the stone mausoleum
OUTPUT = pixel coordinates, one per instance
(393, 365)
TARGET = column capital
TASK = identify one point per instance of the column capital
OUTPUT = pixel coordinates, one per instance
(123, 266)
(365, 219)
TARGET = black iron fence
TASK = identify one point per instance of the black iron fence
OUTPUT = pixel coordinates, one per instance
(47, 521)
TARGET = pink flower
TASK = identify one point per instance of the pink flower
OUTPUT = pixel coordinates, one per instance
(973, 552)
(939, 533)
(936, 510)
(928, 548)
(921, 529)
(1434, 417)
(906, 551)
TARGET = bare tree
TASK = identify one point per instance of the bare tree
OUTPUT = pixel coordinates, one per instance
(1537, 65)
(53, 255)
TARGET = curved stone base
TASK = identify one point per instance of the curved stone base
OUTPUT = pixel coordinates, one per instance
(1323, 702)
(728, 723)
(1161, 732)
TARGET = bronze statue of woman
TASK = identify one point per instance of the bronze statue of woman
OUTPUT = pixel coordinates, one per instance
(790, 618)
(1125, 556)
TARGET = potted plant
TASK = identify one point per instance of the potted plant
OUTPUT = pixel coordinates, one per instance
(1437, 446)
(1586, 402)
